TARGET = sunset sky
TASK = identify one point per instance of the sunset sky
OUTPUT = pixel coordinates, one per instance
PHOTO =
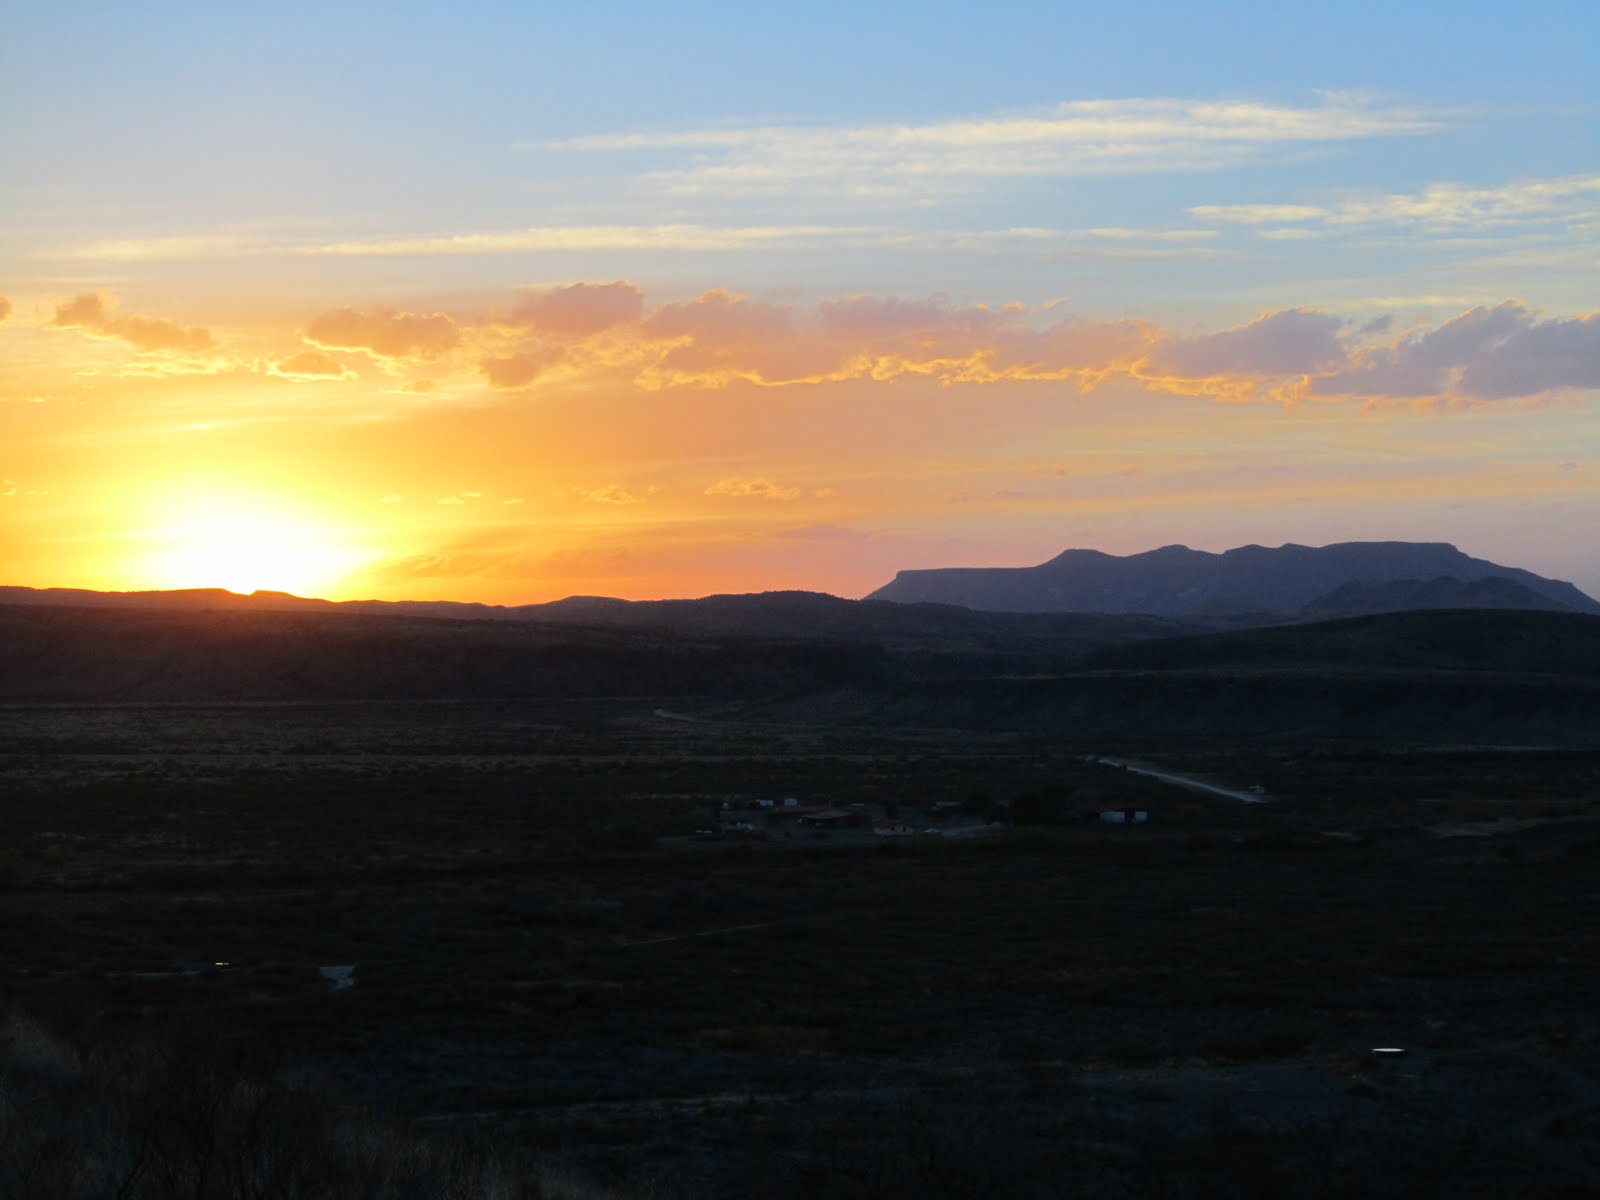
(507, 302)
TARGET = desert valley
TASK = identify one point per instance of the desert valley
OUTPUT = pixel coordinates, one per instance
(787, 895)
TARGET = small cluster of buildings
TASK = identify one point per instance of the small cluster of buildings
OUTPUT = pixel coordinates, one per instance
(787, 817)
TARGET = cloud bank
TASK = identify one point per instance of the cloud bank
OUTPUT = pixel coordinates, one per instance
(592, 333)
(1498, 353)
(720, 338)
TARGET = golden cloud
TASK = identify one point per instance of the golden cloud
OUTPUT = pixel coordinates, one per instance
(760, 488)
(519, 370)
(610, 494)
(582, 309)
(385, 333)
(90, 312)
(311, 365)
(720, 335)
(719, 338)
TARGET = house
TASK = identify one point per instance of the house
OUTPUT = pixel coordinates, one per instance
(884, 827)
(1121, 815)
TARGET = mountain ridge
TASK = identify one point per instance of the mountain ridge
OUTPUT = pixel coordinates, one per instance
(1248, 584)
(1175, 581)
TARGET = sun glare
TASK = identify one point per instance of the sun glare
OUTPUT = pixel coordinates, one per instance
(245, 546)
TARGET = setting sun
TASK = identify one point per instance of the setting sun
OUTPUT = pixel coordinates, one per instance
(244, 545)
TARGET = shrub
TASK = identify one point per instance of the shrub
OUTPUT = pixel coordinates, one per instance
(199, 1116)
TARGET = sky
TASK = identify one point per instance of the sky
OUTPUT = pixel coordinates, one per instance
(511, 301)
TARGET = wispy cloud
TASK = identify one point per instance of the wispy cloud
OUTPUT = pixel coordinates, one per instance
(1122, 234)
(762, 489)
(1258, 214)
(1445, 206)
(553, 238)
(558, 311)
(611, 493)
(1457, 205)
(180, 248)
(1109, 242)
(1075, 138)
(544, 239)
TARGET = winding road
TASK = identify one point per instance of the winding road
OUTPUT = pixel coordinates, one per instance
(1185, 781)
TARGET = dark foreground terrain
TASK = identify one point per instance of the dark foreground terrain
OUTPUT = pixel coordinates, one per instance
(479, 948)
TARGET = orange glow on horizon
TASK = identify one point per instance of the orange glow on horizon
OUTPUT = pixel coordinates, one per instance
(243, 543)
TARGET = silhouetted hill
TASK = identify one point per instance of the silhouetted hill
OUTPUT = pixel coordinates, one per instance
(770, 614)
(121, 654)
(817, 614)
(193, 599)
(1501, 677)
(217, 645)
(1177, 581)
(1161, 710)
(1526, 643)
(1424, 678)
(922, 639)
(1359, 598)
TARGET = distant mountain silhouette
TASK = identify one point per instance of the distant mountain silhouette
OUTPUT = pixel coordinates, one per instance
(1359, 597)
(1251, 585)
(1176, 581)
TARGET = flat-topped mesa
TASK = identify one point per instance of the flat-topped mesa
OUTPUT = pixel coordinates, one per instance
(1177, 581)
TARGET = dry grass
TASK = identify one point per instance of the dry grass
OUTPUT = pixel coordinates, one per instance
(920, 1019)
